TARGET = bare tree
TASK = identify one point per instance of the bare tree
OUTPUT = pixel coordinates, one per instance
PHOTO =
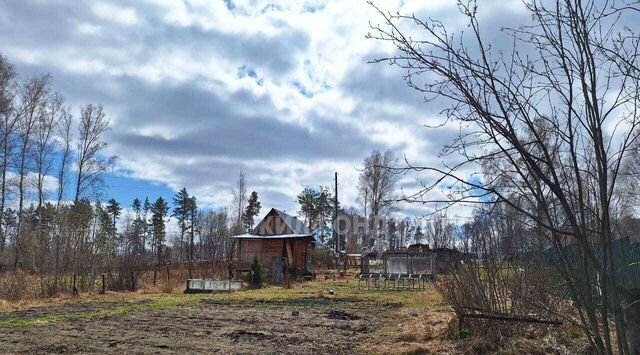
(239, 192)
(44, 131)
(439, 231)
(550, 123)
(9, 121)
(376, 185)
(65, 137)
(33, 105)
(91, 163)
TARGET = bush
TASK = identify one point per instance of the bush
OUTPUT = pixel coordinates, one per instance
(15, 286)
(498, 287)
(256, 273)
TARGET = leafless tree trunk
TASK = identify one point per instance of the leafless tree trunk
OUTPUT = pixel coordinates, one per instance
(439, 231)
(43, 136)
(35, 94)
(239, 198)
(7, 96)
(377, 188)
(90, 146)
(65, 137)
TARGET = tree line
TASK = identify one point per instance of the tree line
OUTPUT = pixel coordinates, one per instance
(44, 150)
(53, 220)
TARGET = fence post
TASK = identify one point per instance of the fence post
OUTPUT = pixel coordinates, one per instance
(103, 285)
(155, 275)
(75, 288)
(133, 282)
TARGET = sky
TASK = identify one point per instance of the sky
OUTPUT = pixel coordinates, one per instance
(197, 91)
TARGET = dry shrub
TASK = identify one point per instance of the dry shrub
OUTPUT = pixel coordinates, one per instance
(419, 349)
(500, 288)
(15, 286)
(417, 335)
(20, 285)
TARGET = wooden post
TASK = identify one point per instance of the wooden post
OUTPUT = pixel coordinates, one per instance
(103, 285)
(168, 277)
(155, 276)
(133, 282)
(75, 288)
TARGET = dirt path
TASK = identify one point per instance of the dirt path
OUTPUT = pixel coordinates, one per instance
(293, 327)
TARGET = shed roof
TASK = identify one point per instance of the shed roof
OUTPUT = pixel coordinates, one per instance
(297, 227)
(277, 236)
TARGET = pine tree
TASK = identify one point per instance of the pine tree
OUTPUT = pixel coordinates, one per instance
(114, 210)
(182, 212)
(137, 233)
(307, 200)
(252, 210)
(136, 206)
(192, 208)
(146, 207)
(159, 211)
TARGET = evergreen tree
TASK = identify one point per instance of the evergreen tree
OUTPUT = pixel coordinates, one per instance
(192, 207)
(105, 237)
(307, 200)
(137, 232)
(114, 210)
(316, 206)
(136, 206)
(159, 211)
(252, 210)
(182, 212)
(146, 207)
(323, 206)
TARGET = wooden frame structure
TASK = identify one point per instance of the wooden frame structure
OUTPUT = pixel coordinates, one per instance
(279, 241)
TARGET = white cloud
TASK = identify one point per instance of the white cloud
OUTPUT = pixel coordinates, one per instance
(190, 74)
(119, 14)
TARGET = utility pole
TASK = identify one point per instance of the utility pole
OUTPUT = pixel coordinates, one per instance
(336, 242)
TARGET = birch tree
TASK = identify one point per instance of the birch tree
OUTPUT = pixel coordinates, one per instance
(376, 185)
(33, 104)
(91, 162)
(9, 122)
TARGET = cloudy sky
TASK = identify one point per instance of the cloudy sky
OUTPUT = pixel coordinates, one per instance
(198, 91)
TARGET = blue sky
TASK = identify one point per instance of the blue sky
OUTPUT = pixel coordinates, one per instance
(198, 91)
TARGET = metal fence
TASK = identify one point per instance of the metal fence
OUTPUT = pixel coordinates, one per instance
(401, 263)
(626, 258)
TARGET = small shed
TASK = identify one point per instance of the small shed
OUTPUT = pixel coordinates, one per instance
(281, 242)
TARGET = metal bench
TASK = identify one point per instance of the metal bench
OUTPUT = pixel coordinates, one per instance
(399, 281)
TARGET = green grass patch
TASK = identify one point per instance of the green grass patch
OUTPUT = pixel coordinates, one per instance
(157, 302)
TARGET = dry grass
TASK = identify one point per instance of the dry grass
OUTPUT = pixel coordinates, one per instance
(411, 322)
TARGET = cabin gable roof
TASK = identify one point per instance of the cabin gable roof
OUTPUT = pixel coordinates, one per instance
(277, 222)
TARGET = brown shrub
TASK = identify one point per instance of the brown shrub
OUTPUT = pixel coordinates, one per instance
(15, 286)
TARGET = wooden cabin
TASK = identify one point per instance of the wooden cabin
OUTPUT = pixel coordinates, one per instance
(281, 242)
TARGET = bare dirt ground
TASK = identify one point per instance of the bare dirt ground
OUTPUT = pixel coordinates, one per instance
(319, 318)
(266, 321)
(201, 327)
